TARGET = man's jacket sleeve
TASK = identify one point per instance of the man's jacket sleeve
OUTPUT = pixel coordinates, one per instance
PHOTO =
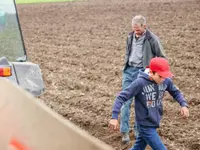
(157, 48)
(131, 91)
(175, 93)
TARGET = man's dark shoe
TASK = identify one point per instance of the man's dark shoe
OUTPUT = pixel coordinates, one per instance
(125, 138)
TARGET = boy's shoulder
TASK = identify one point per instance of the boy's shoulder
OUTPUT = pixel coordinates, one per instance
(168, 81)
(142, 81)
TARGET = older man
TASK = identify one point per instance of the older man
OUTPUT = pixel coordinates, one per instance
(142, 45)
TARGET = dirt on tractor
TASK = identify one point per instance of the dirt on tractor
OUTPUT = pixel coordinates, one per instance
(80, 47)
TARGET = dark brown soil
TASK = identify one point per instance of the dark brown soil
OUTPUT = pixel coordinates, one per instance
(80, 47)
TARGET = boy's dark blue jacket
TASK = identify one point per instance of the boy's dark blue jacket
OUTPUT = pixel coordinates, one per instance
(148, 99)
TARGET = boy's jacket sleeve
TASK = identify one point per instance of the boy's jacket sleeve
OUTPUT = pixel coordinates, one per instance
(132, 90)
(176, 94)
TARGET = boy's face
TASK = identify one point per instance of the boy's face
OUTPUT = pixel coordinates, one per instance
(156, 77)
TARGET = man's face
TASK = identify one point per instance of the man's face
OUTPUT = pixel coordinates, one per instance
(157, 78)
(138, 29)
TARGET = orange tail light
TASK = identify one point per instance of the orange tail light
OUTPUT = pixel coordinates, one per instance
(14, 143)
(5, 71)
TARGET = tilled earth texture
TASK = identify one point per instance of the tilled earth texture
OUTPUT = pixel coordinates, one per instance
(80, 47)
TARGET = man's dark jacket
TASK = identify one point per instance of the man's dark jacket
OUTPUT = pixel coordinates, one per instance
(151, 48)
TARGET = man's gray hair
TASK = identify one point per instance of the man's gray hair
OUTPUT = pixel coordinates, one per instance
(139, 19)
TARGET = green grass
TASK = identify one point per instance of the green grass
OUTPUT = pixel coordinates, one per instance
(39, 1)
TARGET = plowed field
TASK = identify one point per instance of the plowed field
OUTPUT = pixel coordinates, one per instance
(80, 47)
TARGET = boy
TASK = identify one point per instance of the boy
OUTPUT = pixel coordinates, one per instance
(148, 91)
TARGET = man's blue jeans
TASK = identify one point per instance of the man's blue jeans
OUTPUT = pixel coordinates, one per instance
(148, 135)
(129, 75)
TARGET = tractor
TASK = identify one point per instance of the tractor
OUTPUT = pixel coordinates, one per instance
(14, 64)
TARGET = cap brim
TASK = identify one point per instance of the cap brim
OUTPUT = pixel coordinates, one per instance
(165, 74)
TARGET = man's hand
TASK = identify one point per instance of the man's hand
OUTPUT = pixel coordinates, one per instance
(184, 112)
(113, 124)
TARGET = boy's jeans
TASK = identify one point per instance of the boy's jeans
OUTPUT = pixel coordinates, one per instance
(148, 135)
(129, 75)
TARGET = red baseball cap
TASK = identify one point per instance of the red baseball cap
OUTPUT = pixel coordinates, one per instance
(161, 66)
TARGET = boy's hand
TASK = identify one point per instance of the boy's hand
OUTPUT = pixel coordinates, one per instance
(113, 124)
(184, 112)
